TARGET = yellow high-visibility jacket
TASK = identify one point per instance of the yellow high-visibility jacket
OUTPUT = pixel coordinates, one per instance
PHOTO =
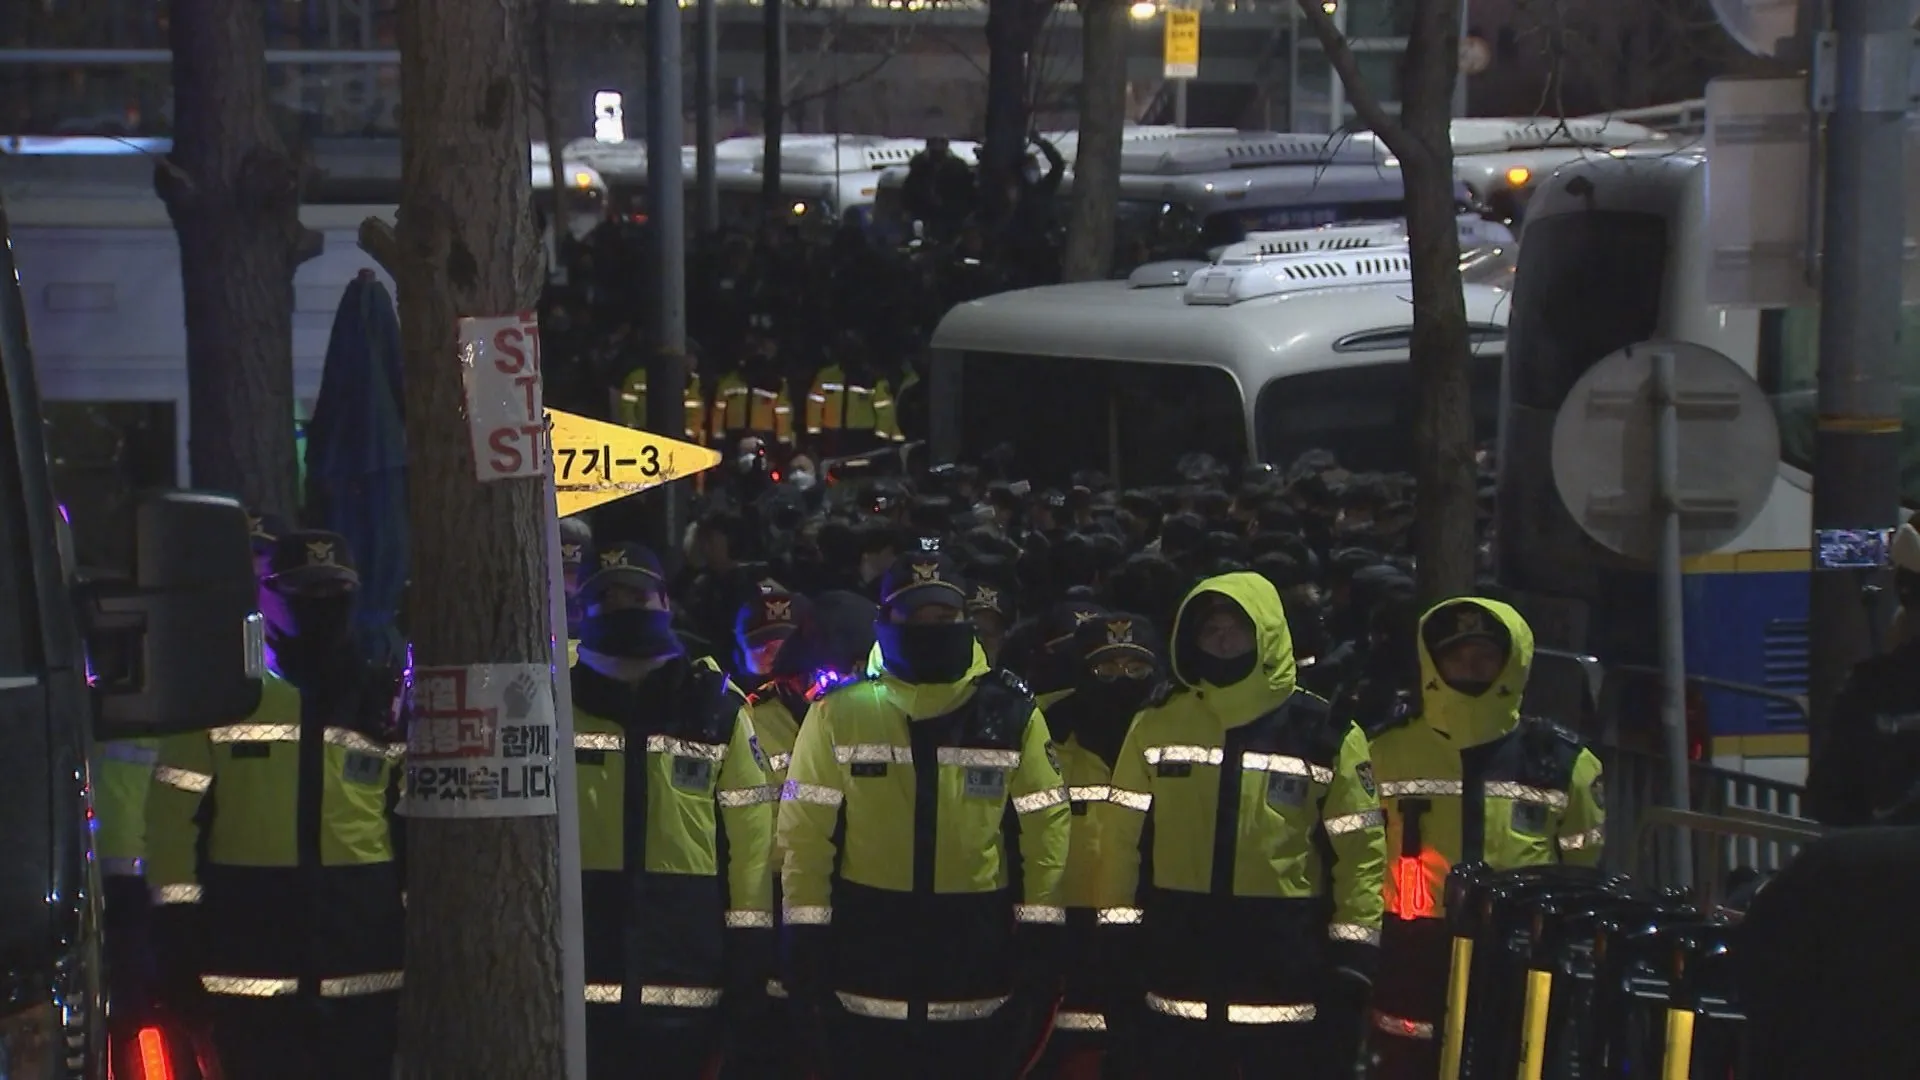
(905, 799)
(741, 407)
(633, 405)
(837, 403)
(1268, 846)
(122, 771)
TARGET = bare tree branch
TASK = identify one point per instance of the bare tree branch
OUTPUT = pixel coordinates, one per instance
(1347, 66)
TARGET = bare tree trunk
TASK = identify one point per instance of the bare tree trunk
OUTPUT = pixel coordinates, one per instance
(1445, 538)
(1012, 28)
(1096, 165)
(483, 993)
(233, 193)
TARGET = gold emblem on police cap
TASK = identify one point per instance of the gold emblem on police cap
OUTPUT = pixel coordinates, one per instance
(986, 597)
(570, 553)
(1120, 632)
(779, 611)
(926, 573)
(320, 553)
(1471, 620)
(611, 559)
(1083, 617)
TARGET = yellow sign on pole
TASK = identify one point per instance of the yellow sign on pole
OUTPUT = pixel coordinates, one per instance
(1183, 44)
(596, 462)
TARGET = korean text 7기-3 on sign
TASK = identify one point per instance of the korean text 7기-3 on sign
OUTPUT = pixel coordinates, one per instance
(480, 742)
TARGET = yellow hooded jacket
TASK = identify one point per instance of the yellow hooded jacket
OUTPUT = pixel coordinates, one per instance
(1470, 780)
(895, 812)
(1263, 811)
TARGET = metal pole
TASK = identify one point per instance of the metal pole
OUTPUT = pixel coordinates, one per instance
(667, 199)
(1337, 90)
(1179, 103)
(1857, 444)
(573, 958)
(774, 104)
(1293, 68)
(1673, 642)
(706, 116)
(1460, 74)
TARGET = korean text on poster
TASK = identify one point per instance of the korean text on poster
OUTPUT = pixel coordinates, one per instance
(500, 366)
(480, 742)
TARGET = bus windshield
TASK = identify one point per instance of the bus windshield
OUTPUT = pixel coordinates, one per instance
(1789, 358)
(1363, 414)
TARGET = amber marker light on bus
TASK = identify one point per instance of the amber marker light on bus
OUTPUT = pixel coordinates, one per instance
(1518, 176)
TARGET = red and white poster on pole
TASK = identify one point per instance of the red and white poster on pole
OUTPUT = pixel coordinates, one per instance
(500, 365)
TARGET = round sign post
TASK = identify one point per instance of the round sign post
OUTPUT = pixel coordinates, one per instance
(1663, 450)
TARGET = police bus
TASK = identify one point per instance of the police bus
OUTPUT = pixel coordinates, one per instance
(1617, 252)
(1290, 342)
(1187, 191)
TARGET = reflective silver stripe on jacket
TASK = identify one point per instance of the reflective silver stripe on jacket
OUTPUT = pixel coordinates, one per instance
(1282, 763)
(1346, 823)
(248, 986)
(817, 794)
(235, 733)
(1132, 800)
(1364, 935)
(185, 779)
(1039, 913)
(1190, 755)
(598, 740)
(1119, 916)
(1091, 793)
(667, 744)
(1591, 838)
(1522, 793)
(807, 915)
(176, 894)
(750, 920)
(680, 997)
(603, 993)
(1236, 1014)
(1040, 800)
(1079, 1021)
(353, 740)
(130, 753)
(973, 758)
(875, 1008)
(379, 982)
(779, 762)
(1390, 789)
(124, 866)
(750, 796)
(873, 754)
(1402, 1027)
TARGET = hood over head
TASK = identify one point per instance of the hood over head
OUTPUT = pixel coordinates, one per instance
(1473, 719)
(1271, 679)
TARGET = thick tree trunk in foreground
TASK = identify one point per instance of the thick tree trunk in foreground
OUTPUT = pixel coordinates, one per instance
(483, 993)
(1096, 166)
(1422, 138)
(233, 192)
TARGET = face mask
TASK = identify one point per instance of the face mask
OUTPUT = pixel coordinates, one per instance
(926, 653)
(1469, 687)
(802, 480)
(634, 633)
(1204, 667)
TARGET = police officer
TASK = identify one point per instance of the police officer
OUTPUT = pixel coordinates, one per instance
(1261, 912)
(675, 822)
(926, 829)
(576, 537)
(1467, 780)
(762, 625)
(1868, 770)
(1118, 666)
(271, 850)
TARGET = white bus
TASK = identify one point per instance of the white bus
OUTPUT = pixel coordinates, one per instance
(1186, 191)
(1291, 342)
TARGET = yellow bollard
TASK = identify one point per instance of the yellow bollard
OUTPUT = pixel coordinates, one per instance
(1533, 1025)
(1458, 972)
(1678, 1062)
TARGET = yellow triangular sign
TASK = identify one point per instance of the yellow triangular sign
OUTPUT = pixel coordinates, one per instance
(596, 462)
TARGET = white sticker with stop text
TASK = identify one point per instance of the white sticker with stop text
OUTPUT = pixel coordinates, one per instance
(500, 369)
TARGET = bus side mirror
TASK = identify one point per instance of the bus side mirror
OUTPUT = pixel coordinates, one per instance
(182, 646)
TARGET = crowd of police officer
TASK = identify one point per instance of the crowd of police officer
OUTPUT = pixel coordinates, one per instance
(1043, 788)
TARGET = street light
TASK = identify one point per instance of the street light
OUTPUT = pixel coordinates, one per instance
(1143, 10)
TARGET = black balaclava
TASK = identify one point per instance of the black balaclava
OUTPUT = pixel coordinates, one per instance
(924, 654)
(308, 633)
(637, 633)
(1099, 711)
(1195, 664)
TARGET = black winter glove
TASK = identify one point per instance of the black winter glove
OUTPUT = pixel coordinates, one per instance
(1040, 951)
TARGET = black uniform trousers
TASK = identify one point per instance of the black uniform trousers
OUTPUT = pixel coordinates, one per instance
(1410, 998)
(630, 1042)
(867, 1049)
(1178, 1049)
(306, 1038)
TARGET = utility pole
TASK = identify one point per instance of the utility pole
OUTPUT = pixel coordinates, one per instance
(1460, 79)
(666, 213)
(1865, 61)
(706, 117)
(773, 104)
